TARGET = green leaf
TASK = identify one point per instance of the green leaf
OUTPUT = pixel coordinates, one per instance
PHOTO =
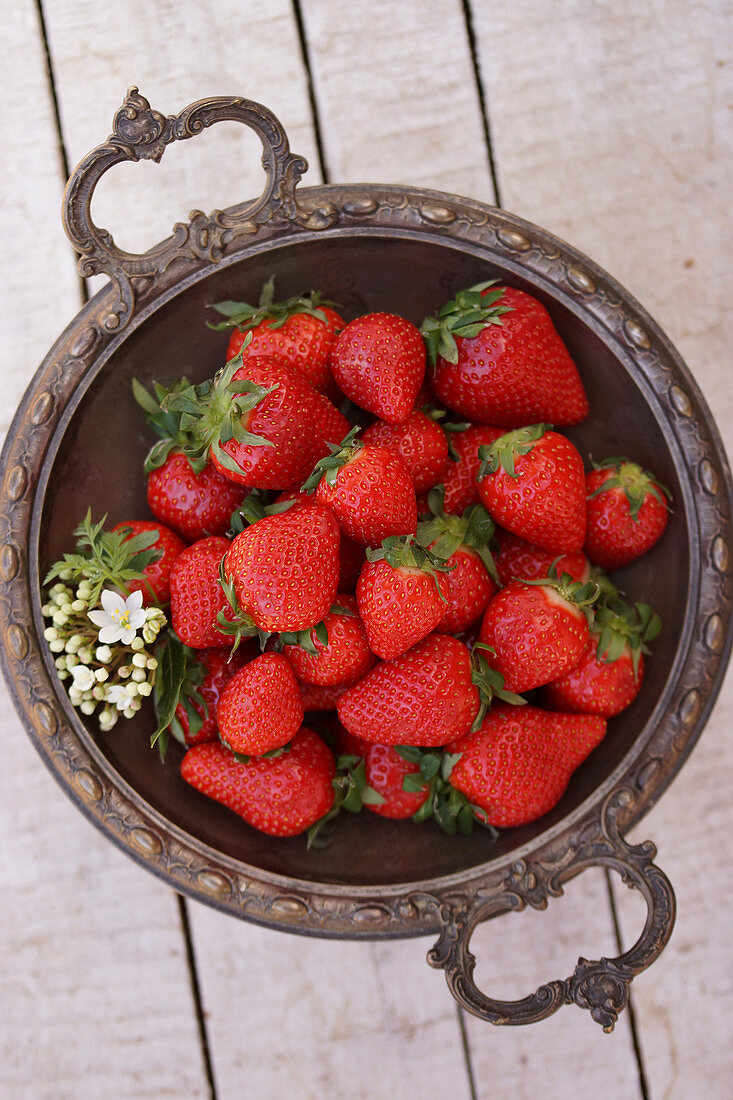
(169, 677)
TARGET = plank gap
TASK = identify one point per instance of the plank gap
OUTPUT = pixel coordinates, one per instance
(467, 1052)
(643, 1086)
(196, 992)
(60, 141)
(303, 42)
(482, 98)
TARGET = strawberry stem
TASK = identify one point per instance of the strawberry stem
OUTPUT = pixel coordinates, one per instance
(466, 315)
(245, 317)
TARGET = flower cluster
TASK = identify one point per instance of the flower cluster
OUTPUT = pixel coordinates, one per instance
(99, 651)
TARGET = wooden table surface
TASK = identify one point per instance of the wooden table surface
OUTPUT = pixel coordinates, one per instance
(604, 123)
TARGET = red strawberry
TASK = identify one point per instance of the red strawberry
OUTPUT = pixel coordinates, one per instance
(314, 697)
(197, 597)
(259, 422)
(463, 543)
(498, 359)
(424, 697)
(194, 504)
(533, 484)
(516, 766)
(537, 631)
(351, 554)
(207, 680)
(281, 795)
(344, 658)
(385, 772)
(610, 672)
(627, 512)
(378, 361)
(284, 569)
(460, 477)
(518, 560)
(298, 331)
(158, 572)
(368, 489)
(260, 709)
(401, 597)
(421, 443)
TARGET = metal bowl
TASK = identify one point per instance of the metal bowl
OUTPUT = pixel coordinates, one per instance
(79, 439)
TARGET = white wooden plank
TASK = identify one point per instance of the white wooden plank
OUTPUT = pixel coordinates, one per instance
(620, 145)
(397, 95)
(325, 1018)
(95, 996)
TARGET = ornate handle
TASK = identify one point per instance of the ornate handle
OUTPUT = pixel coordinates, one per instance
(602, 986)
(140, 133)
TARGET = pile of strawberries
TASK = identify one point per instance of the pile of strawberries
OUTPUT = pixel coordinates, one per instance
(383, 524)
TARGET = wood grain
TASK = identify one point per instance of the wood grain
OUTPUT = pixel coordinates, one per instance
(627, 156)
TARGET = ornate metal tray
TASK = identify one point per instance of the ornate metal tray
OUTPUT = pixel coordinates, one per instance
(78, 439)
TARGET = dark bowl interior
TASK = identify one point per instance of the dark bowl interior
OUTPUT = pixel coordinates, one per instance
(99, 463)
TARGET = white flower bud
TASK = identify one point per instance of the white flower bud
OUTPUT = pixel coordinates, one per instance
(101, 675)
(78, 605)
(88, 707)
(59, 619)
(138, 675)
(137, 644)
(72, 660)
(145, 689)
(50, 634)
(60, 663)
(139, 660)
(128, 712)
(124, 671)
(103, 654)
(57, 646)
(152, 663)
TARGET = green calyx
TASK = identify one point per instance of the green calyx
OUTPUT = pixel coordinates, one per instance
(448, 806)
(618, 625)
(178, 678)
(407, 552)
(504, 451)
(466, 315)
(329, 466)
(242, 625)
(635, 482)
(245, 317)
(490, 684)
(211, 414)
(585, 595)
(165, 423)
(445, 534)
(106, 559)
(305, 638)
(351, 793)
(253, 508)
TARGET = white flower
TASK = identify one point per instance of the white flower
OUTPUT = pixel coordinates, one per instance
(83, 677)
(119, 696)
(120, 619)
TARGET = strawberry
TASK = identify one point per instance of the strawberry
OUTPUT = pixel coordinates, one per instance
(516, 766)
(343, 657)
(197, 598)
(314, 697)
(156, 586)
(532, 482)
(537, 630)
(260, 709)
(627, 512)
(260, 423)
(423, 697)
(298, 331)
(385, 772)
(284, 569)
(498, 359)
(378, 361)
(187, 494)
(462, 542)
(421, 443)
(195, 714)
(368, 489)
(400, 596)
(460, 477)
(351, 554)
(518, 560)
(610, 672)
(194, 504)
(280, 795)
